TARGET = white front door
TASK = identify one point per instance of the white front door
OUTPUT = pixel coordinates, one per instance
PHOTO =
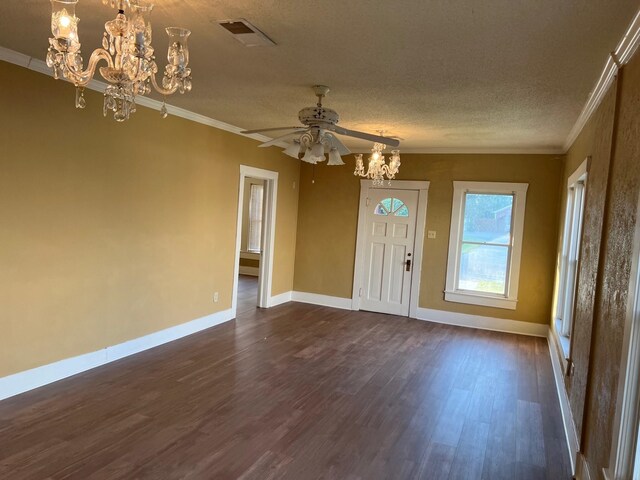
(390, 236)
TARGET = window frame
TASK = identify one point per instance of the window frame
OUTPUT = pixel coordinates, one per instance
(253, 221)
(393, 211)
(569, 256)
(452, 293)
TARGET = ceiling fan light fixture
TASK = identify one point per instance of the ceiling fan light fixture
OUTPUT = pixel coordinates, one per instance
(334, 157)
(308, 157)
(317, 150)
(292, 150)
(319, 136)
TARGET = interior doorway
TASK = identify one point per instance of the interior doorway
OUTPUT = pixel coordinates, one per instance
(391, 225)
(250, 244)
(255, 233)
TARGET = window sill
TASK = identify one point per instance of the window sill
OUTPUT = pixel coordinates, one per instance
(562, 340)
(483, 300)
(563, 355)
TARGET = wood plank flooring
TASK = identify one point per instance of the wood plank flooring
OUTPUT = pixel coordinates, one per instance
(300, 392)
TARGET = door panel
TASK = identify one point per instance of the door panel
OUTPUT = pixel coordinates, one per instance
(379, 229)
(400, 230)
(376, 267)
(391, 224)
(396, 277)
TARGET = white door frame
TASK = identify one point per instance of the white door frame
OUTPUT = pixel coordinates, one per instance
(358, 272)
(265, 277)
(625, 434)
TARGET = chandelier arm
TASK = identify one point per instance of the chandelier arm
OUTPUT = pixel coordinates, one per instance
(84, 77)
(161, 90)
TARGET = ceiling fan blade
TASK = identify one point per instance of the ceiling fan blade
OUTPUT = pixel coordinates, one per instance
(261, 130)
(391, 142)
(282, 138)
(337, 143)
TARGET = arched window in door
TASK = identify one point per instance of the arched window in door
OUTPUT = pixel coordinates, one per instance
(391, 206)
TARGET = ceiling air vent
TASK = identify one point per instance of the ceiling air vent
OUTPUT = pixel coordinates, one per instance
(246, 33)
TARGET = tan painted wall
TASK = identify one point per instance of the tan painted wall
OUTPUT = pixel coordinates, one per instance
(112, 231)
(327, 227)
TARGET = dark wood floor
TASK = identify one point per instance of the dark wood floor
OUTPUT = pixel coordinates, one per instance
(247, 295)
(300, 392)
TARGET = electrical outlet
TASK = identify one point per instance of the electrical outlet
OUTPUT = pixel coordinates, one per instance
(431, 234)
(215, 297)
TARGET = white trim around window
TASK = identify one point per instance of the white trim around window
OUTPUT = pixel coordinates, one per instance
(453, 293)
(569, 254)
(254, 238)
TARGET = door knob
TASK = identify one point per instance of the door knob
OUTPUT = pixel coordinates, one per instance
(408, 265)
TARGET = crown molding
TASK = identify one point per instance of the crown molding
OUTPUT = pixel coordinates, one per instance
(618, 58)
(17, 58)
(476, 151)
(37, 65)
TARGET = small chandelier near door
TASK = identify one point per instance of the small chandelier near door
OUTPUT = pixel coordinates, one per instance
(377, 168)
(126, 49)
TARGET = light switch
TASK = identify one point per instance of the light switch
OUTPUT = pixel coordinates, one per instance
(431, 234)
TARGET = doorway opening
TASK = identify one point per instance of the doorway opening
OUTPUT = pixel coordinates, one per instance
(255, 235)
(391, 223)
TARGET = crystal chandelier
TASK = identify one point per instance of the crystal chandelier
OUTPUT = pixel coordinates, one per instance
(312, 145)
(126, 49)
(377, 168)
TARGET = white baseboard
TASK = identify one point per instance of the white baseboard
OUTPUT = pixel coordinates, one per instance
(253, 271)
(565, 409)
(323, 300)
(484, 323)
(280, 299)
(37, 377)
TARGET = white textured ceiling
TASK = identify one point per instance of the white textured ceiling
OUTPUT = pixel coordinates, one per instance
(458, 74)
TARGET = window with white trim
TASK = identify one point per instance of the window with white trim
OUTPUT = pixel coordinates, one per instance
(485, 243)
(254, 240)
(569, 255)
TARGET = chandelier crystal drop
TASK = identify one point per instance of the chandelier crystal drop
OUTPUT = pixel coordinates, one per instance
(126, 49)
(377, 168)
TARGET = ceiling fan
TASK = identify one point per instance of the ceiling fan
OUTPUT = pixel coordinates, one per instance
(309, 142)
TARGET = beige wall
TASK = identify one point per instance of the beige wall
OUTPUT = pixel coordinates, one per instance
(327, 226)
(611, 218)
(112, 231)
